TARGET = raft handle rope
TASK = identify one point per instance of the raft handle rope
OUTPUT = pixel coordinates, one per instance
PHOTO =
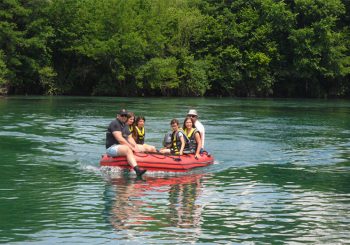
(156, 154)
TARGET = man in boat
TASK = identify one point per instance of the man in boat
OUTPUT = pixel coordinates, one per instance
(198, 125)
(117, 143)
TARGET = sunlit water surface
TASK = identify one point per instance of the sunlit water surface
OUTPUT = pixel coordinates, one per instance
(281, 175)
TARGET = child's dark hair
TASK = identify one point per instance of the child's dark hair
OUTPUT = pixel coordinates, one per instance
(174, 121)
(139, 118)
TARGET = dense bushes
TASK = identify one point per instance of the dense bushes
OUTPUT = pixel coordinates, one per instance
(175, 48)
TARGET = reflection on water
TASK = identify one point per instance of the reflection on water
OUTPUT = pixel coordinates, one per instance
(278, 204)
(156, 203)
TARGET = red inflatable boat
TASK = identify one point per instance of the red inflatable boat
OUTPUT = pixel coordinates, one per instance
(160, 162)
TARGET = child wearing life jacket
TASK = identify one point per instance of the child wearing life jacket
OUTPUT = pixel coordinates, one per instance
(137, 129)
(179, 140)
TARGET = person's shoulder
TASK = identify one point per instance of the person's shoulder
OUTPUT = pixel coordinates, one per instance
(116, 124)
(112, 122)
(199, 125)
(116, 121)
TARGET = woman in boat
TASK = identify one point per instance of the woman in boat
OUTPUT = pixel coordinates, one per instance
(130, 117)
(199, 126)
(138, 133)
(178, 140)
(195, 143)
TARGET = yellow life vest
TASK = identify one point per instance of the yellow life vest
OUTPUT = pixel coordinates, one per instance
(176, 142)
(140, 135)
(189, 134)
(192, 143)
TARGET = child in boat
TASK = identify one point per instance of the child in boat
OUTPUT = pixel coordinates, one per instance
(178, 140)
(137, 130)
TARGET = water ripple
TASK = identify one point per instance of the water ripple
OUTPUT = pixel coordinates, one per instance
(281, 174)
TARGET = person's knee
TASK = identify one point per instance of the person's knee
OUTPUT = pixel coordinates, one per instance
(123, 150)
(164, 150)
(128, 151)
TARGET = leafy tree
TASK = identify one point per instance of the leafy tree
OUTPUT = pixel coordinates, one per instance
(247, 56)
(194, 76)
(159, 75)
(24, 33)
(3, 69)
(172, 47)
(318, 47)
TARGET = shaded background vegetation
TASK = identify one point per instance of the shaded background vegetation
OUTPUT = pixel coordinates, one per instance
(175, 47)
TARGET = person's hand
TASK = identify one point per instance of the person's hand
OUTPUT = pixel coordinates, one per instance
(196, 156)
(136, 149)
(140, 148)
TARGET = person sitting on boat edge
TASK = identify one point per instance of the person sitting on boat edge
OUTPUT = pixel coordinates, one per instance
(195, 143)
(118, 145)
(179, 139)
(138, 135)
(199, 126)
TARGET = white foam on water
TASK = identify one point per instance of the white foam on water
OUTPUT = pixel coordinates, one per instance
(116, 172)
(91, 168)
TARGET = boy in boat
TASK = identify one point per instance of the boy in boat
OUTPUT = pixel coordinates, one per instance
(117, 144)
(179, 140)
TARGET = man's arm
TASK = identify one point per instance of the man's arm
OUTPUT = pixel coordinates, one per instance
(118, 136)
(201, 130)
(132, 142)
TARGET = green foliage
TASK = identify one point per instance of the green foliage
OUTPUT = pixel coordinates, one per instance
(248, 49)
(24, 35)
(317, 47)
(47, 80)
(194, 77)
(159, 74)
(3, 70)
(175, 48)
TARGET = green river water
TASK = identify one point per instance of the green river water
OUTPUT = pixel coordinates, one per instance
(281, 174)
